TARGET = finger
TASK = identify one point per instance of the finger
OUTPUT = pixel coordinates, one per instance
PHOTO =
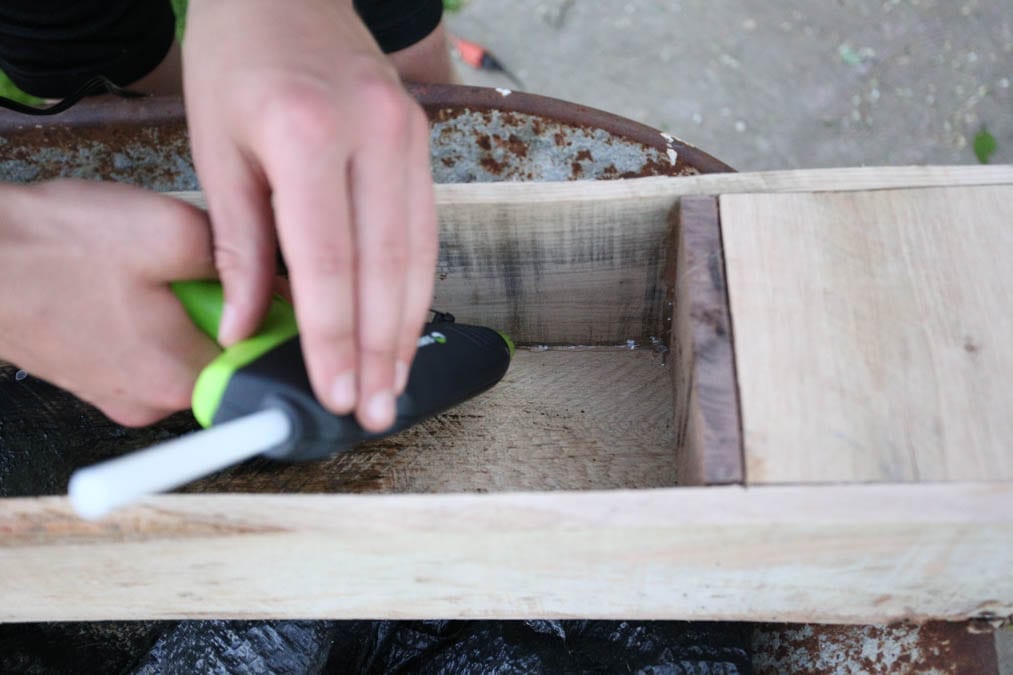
(423, 238)
(380, 207)
(175, 352)
(239, 204)
(308, 171)
(131, 414)
(185, 251)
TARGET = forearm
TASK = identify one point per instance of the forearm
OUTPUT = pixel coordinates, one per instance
(424, 59)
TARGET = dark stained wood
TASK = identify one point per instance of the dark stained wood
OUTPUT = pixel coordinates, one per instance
(709, 435)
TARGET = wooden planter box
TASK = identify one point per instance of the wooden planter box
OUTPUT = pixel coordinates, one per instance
(763, 397)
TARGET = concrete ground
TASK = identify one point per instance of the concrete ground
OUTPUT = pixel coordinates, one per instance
(773, 85)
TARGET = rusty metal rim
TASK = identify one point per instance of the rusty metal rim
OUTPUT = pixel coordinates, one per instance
(434, 97)
(163, 110)
(156, 110)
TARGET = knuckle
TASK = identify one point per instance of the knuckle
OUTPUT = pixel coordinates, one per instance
(193, 237)
(389, 108)
(327, 260)
(390, 258)
(176, 231)
(387, 247)
(302, 113)
(377, 359)
(230, 259)
(331, 335)
(333, 340)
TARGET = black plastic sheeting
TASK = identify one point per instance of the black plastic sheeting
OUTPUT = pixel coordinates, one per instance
(310, 647)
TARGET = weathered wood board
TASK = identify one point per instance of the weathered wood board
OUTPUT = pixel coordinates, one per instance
(873, 333)
(583, 263)
(572, 429)
(838, 554)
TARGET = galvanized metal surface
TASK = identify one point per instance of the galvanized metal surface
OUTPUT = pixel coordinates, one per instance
(141, 142)
(477, 134)
(936, 648)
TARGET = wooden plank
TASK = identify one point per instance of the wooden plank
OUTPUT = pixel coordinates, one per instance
(794, 180)
(835, 554)
(582, 262)
(566, 272)
(560, 419)
(806, 180)
(706, 400)
(873, 333)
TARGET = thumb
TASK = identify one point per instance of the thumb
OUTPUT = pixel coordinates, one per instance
(242, 223)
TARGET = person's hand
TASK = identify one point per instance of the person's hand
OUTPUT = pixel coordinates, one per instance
(84, 297)
(302, 134)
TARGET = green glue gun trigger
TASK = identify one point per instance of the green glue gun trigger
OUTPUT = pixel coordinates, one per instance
(453, 363)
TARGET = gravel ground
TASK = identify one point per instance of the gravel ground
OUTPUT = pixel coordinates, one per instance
(791, 84)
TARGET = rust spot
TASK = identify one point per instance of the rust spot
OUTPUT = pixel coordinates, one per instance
(492, 166)
(447, 161)
(970, 346)
(517, 146)
(483, 141)
(576, 170)
(585, 155)
(651, 167)
(938, 647)
(560, 138)
(446, 114)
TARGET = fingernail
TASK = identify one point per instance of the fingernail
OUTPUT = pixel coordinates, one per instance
(343, 392)
(227, 325)
(381, 409)
(400, 376)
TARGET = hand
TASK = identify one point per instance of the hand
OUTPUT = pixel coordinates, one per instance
(303, 135)
(84, 295)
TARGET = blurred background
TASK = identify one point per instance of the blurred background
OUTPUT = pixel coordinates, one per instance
(771, 85)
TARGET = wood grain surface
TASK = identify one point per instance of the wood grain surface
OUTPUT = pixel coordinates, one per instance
(583, 262)
(833, 554)
(873, 333)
